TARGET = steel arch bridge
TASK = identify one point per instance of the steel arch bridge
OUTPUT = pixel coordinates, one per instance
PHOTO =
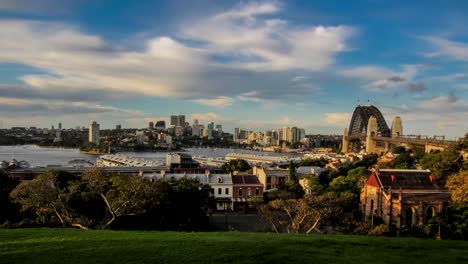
(361, 115)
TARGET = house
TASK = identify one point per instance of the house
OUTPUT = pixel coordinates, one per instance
(245, 187)
(271, 178)
(221, 185)
(403, 197)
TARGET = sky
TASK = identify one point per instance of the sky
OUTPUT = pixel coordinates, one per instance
(256, 65)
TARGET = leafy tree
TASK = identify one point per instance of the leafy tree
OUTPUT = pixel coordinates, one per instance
(400, 150)
(453, 222)
(239, 165)
(47, 196)
(343, 184)
(359, 174)
(292, 173)
(367, 161)
(122, 195)
(301, 215)
(314, 162)
(458, 186)
(6, 186)
(403, 161)
(442, 164)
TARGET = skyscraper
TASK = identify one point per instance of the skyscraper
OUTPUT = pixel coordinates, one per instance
(195, 128)
(60, 126)
(211, 126)
(151, 126)
(174, 120)
(160, 125)
(94, 133)
(236, 135)
(180, 120)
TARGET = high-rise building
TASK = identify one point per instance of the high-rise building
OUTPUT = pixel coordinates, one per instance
(195, 128)
(150, 126)
(211, 126)
(180, 120)
(118, 127)
(236, 135)
(94, 133)
(174, 120)
(160, 125)
(60, 126)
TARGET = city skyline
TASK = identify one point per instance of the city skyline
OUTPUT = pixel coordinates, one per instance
(258, 65)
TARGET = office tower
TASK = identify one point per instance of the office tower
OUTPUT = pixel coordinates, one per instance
(236, 135)
(118, 127)
(195, 128)
(211, 126)
(160, 125)
(180, 120)
(60, 126)
(94, 133)
(174, 120)
(150, 126)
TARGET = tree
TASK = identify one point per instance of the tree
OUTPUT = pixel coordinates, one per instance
(442, 164)
(292, 173)
(360, 174)
(403, 161)
(343, 184)
(458, 186)
(239, 165)
(301, 215)
(314, 162)
(123, 195)
(47, 196)
(453, 222)
(6, 186)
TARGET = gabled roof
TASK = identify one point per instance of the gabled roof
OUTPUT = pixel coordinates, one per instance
(245, 179)
(405, 179)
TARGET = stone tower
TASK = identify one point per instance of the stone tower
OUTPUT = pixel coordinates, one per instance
(397, 127)
(371, 132)
(344, 145)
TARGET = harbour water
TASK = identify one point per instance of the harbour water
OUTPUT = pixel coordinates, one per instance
(43, 156)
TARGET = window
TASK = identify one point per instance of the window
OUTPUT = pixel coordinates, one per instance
(219, 191)
(212, 191)
(226, 191)
(257, 191)
(249, 192)
(240, 192)
(220, 180)
(372, 206)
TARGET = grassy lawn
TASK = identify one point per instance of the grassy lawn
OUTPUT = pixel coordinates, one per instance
(75, 246)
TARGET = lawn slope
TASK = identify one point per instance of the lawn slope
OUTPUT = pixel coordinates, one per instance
(75, 246)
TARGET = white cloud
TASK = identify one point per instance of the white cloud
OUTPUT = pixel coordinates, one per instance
(266, 44)
(376, 78)
(338, 119)
(451, 49)
(220, 101)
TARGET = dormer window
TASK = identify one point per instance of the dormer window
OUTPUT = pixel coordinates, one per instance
(220, 180)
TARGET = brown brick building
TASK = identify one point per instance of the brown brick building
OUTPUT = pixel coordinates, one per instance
(403, 197)
(245, 186)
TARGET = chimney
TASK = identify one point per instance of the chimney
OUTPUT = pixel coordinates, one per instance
(163, 173)
(431, 178)
(393, 178)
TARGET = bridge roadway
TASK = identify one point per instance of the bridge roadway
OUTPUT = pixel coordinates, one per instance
(415, 141)
(31, 173)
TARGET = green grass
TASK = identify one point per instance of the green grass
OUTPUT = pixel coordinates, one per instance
(75, 246)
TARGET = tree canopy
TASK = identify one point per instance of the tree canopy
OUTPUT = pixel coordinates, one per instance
(233, 165)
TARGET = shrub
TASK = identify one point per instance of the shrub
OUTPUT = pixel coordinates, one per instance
(379, 230)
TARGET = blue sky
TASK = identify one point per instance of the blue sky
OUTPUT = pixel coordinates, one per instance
(251, 64)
